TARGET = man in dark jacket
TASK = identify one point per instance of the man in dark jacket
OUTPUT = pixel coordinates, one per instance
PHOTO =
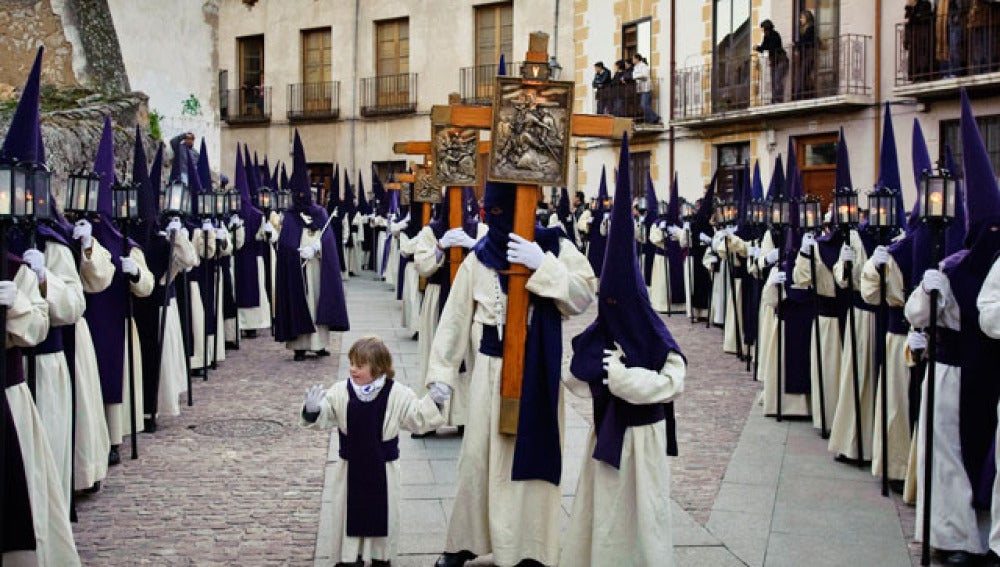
(602, 78)
(777, 58)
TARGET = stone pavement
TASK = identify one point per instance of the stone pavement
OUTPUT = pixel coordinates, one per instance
(208, 490)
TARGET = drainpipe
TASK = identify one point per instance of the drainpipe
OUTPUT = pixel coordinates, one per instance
(354, 86)
(877, 88)
(670, 81)
(555, 33)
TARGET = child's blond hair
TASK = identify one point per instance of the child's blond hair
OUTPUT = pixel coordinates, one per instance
(371, 350)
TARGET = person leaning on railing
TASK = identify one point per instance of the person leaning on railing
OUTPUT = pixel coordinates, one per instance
(777, 58)
(602, 78)
(644, 87)
(918, 39)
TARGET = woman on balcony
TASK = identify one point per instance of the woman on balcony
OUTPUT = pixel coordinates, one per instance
(777, 58)
(918, 39)
(804, 81)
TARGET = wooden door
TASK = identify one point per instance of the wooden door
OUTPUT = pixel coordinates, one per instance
(817, 157)
(316, 70)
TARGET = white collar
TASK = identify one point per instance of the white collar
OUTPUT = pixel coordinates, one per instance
(369, 391)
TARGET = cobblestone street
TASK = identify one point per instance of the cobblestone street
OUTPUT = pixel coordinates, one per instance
(234, 480)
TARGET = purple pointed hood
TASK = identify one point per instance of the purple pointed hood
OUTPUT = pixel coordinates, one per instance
(302, 199)
(104, 165)
(204, 169)
(652, 203)
(673, 215)
(888, 171)
(155, 180)
(921, 159)
(146, 198)
(843, 173)
(982, 193)
(23, 139)
(776, 187)
(502, 66)
(363, 206)
(756, 186)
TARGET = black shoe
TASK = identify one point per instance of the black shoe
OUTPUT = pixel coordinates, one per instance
(529, 563)
(415, 336)
(381, 563)
(322, 352)
(149, 425)
(93, 489)
(957, 558)
(841, 458)
(991, 560)
(300, 355)
(114, 457)
(461, 431)
(251, 334)
(199, 373)
(231, 345)
(897, 486)
(454, 559)
(423, 435)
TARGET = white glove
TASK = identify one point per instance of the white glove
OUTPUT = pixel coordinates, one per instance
(612, 359)
(221, 233)
(916, 340)
(847, 254)
(397, 227)
(129, 266)
(207, 226)
(713, 259)
(880, 256)
(704, 238)
(268, 228)
(687, 225)
(36, 261)
(673, 231)
(777, 277)
(934, 280)
(808, 241)
(314, 396)
(235, 220)
(439, 392)
(8, 293)
(309, 252)
(753, 252)
(174, 225)
(456, 237)
(526, 252)
(772, 256)
(83, 231)
(730, 230)
(607, 216)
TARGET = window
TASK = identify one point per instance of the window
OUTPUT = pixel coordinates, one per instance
(223, 94)
(826, 14)
(637, 37)
(494, 33)
(316, 56)
(639, 164)
(817, 157)
(251, 94)
(731, 54)
(392, 49)
(731, 159)
(321, 175)
(385, 169)
(951, 137)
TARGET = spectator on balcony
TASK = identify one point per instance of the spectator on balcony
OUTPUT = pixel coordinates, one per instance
(602, 79)
(918, 37)
(980, 29)
(804, 80)
(644, 87)
(777, 58)
(951, 18)
(616, 90)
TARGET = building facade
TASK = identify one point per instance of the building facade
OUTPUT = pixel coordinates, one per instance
(355, 77)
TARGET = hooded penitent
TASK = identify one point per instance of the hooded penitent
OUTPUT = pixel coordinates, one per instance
(536, 451)
(976, 354)
(565, 214)
(245, 259)
(392, 212)
(22, 144)
(625, 317)
(701, 292)
(650, 250)
(292, 317)
(106, 310)
(439, 226)
(674, 251)
(598, 241)
(335, 210)
(829, 244)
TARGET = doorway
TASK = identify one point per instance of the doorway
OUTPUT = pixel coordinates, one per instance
(817, 157)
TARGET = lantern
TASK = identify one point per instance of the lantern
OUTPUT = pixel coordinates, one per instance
(283, 200)
(845, 207)
(15, 194)
(687, 210)
(662, 207)
(810, 214)
(39, 179)
(780, 212)
(264, 199)
(206, 205)
(81, 193)
(536, 71)
(124, 202)
(939, 196)
(235, 202)
(642, 204)
(882, 208)
(175, 198)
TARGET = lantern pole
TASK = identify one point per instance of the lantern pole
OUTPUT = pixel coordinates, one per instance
(817, 343)
(778, 237)
(210, 304)
(730, 264)
(845, 228)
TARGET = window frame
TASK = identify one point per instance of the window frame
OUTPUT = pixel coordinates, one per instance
(498, 47)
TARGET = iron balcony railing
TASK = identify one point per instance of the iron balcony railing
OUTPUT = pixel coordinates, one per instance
(477, 82)
(832, 67)
(389, 94)
(247, 105)
(930, 47)
(625, 101)
(314, 101)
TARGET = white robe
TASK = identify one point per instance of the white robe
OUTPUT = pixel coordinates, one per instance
(659, 297)
(173, 369)
(258, 318)
(622, 516)
(719, 285)
(897, 375)
(238, 239)
(118, 415)
(358, 226)
(988, 303)
(514, 520)
(404, 412)
(411, 286)
(320, 339)
(198, 357)
(27, 325)
(54, 391)
(737, 253)
(953, 519)
(792, 405)
(92, 441)
(843, 431)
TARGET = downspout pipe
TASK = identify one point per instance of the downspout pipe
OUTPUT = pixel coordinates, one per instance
(670, 81)
(354, 87)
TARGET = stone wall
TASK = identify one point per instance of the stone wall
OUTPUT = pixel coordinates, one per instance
(26, 25)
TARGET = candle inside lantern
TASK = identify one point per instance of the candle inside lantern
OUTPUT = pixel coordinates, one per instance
(937, 204)
(4, 203)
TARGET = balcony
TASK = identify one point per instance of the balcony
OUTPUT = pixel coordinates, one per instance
(389, 95)
(314, 101)
(623, 101)
(926, 65)
(832, 75)
(477, 82)
(247, 105)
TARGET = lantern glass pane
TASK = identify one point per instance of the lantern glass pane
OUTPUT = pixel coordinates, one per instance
(935, 200)
(6, 187)
(93, 185)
